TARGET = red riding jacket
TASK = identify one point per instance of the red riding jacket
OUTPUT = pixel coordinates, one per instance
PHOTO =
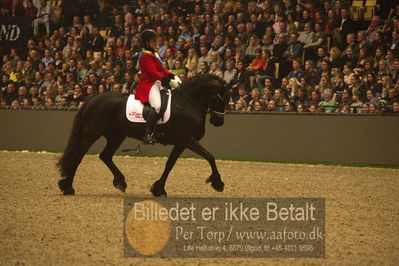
(151, 70)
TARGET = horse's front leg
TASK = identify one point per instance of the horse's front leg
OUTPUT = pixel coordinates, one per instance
(158, 188)
(215, 179)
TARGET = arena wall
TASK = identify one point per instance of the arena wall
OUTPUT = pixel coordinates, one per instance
(364, 139)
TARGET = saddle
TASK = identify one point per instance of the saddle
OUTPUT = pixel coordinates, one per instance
(136, 111)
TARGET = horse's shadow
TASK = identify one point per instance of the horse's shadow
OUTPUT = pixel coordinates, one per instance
(129, 196)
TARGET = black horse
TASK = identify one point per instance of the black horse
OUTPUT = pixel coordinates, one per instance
(105, 115)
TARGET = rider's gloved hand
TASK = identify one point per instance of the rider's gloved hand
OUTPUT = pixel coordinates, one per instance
(165, 81)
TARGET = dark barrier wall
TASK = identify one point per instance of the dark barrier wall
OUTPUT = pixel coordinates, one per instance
(288, 137)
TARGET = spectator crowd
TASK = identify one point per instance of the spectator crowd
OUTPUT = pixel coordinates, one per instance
(276, 56)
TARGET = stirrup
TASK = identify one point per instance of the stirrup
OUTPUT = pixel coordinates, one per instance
(149, 139)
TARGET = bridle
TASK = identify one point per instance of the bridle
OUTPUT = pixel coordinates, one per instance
(216, 113)
(201, 107)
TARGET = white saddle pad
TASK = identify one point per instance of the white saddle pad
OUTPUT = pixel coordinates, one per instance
(134, 110)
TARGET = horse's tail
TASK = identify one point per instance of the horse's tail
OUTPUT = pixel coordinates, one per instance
(67, 163)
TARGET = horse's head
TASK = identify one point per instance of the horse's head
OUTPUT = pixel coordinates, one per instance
(218, 102)
(210, 92)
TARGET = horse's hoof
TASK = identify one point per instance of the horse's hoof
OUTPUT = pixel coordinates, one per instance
(121, 187)
(66, 187)
(216, 182)
(218, 186)
(120, 183)
(68, 191)
(158, 190)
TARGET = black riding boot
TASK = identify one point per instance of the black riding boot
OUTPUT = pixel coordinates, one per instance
(152, 119)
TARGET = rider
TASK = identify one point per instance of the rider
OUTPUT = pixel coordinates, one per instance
(154, 79)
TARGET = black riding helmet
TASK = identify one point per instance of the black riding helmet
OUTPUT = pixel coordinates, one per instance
(146, 36)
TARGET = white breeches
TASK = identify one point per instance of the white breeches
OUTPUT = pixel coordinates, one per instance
(154, 98)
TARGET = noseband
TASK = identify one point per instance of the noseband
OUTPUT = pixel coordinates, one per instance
(218, 114)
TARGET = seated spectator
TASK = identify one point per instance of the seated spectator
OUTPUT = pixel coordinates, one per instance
(178, 68)
(350, 58)
(280, 47)
(314, 98)
(301, 98)
(348, 73)
(323, 71)
(338, 88)
(252, 47)
(22, 94)
(305, 84)
(395, 107)
(344, 25)
(238, 79)
(351, 43)
(259, 106)
(267, 94)
(294, 49)
(60, 94)
(192, 63)
(301, 108)
(365, 108)
(204, 57)
(386, 84)
(355, 85)
(77, 95)
(321, 55)
(346, 109)
(255, 97)
(203, 68)
(305, 37)
(217, 45)
(394, 44)
(373, 108)
(243, 94)
(371, 97)
(382, 71)
(289, 107)
(10, 94)
(37, 104)
(279, 100)
(90, 92)
(346, 99)
(271, 106)
(356, 103)
(266, 71)
(267, 44)
(378, 55)
(328, 104)
(215, 70)
(230, 72)
(335, 58)
(296, 72)
(241, 105)
(392, 96)
(315, 42)
(169, 59)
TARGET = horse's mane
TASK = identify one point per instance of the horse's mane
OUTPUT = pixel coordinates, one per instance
(197, 82)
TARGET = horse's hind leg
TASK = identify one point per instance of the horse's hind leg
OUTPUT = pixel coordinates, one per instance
(70, 163)
(113, 143)
(215, 179)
